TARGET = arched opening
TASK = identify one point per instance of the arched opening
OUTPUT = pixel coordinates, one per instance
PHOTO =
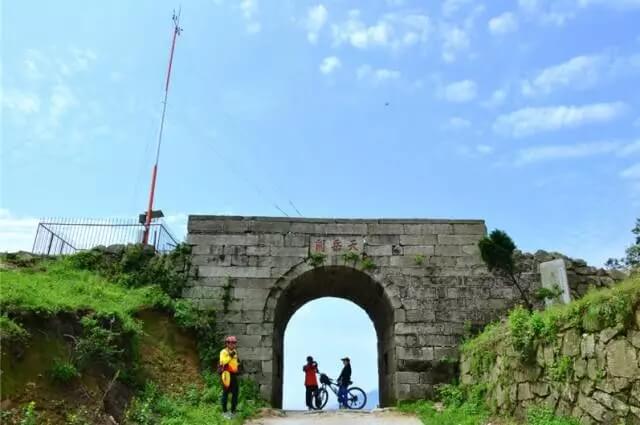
(349, 284)
(329, 329)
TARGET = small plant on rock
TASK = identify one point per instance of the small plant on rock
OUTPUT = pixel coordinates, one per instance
(419, 259)
(561, 369)
(63, 372)
(350, 257)
(316, 259)
(367, 264)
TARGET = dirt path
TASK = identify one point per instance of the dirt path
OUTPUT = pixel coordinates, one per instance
(375, 417)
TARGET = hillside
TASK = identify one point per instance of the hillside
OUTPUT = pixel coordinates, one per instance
(97, 338)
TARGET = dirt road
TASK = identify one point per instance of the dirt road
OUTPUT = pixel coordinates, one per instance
(375, 417)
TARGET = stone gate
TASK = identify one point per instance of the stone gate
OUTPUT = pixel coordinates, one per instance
(420, 282)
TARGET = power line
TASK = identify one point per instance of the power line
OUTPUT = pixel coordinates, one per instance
(233, 168)
(294, 207)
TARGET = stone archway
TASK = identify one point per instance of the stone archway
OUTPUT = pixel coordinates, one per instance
(426, 282)
(340, 282)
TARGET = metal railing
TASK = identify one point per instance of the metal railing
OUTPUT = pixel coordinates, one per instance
(61, 236)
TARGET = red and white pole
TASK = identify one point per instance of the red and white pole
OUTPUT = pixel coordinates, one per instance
(147, 226)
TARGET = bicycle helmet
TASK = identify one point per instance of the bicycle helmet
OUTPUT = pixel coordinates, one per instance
(231, 338)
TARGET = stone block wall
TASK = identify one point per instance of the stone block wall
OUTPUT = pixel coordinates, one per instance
(580, 276)
(591, 376)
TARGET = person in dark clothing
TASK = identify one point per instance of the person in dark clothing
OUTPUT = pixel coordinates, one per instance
(344, 380)
(310, 380)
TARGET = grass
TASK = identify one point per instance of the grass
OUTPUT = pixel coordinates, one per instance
(192, 406)
(467, 406)
(58, 287)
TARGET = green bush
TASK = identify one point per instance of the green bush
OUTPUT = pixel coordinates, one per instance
(101, 341)
(137, 265)
(63, 372)
(12, 332)
(29, 414)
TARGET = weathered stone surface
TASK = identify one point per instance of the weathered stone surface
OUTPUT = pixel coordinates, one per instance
(622, 359)
(592, 407)
(607, 334)
(524, 391)
(571, 343)
(634, 338)
(580, 368)
(588, 346)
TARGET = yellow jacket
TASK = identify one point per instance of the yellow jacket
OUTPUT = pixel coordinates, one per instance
(229, 360)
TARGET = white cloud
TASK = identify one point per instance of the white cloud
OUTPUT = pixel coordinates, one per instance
(581, 72)
(81, 60)
(316, 18)
(632, 172)
(451, 7)
(558, 13)
(330, 64)
(454, 41)
(177, 224)
(497, 98)
(44, 104)
(458, 123)
(393, 30)
(249, 10)
(376, 76)
(459, 92)
(629, 149)
(615, 4)
(19, 101)
(60, 101)
(549, 11)
(484, 149)
(503, 24)
(16, 233)
(580, 150)
(528, 121)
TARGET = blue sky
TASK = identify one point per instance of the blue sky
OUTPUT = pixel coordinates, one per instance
(523, 113)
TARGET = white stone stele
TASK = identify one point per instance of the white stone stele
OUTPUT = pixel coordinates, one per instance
(554, 273)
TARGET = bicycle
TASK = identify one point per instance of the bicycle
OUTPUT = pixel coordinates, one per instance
(356, 397)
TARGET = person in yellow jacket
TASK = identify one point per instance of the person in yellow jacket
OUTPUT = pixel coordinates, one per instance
(228, 369)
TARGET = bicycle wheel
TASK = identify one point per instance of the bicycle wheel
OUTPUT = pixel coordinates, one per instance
(356, 398)
(321, 398)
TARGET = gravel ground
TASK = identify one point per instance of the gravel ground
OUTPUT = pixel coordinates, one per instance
(374, 417)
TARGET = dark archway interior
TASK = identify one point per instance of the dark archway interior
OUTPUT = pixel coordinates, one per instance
(349, 284)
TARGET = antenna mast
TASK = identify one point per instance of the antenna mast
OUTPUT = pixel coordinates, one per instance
(176, 32)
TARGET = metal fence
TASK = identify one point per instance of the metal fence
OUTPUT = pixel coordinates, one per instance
(62, 236)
